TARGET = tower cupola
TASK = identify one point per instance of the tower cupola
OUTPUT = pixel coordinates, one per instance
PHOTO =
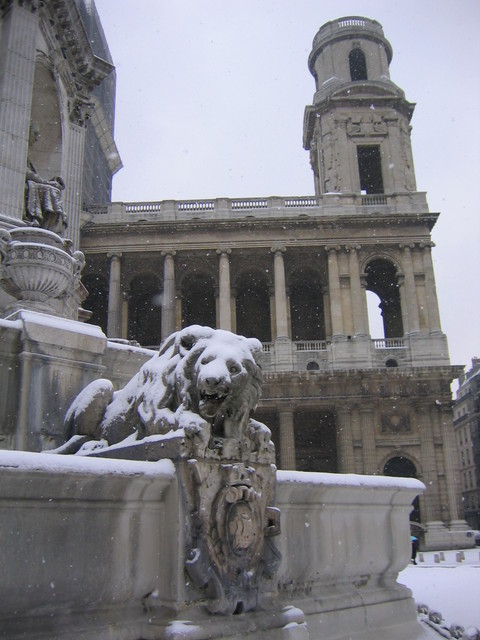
(358, 128)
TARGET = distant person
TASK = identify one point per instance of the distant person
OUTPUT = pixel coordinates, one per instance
(414, 548)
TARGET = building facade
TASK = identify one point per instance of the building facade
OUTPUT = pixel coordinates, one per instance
(57, 90)
(295, 272)
(466, 421)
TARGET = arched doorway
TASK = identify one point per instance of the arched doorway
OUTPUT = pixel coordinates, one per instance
(253, 306)
(145, 311)
(198, 300)
(306, 306)
(400, 467)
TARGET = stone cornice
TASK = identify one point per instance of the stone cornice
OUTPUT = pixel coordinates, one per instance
(326, 222)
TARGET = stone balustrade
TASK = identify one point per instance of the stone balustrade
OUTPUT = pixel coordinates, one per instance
(235, 208)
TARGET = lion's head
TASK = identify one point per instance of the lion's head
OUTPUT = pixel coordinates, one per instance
(219, 377)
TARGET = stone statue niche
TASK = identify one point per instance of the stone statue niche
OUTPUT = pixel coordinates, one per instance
(192, 402)
(37, 265)
(43, 197)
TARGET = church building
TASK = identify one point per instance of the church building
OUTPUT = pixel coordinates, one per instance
(293, 271)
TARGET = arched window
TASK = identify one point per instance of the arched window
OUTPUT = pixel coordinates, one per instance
(253, 306)
(358, 65)
(97, 299)
(198, 300)
(145, 311)
(382, 280)
(306, 307)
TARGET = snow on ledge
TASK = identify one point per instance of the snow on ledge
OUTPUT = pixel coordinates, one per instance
(55, 463)
(349, 480)
(63, 324)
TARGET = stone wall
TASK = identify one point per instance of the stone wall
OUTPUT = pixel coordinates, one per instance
(44, 363)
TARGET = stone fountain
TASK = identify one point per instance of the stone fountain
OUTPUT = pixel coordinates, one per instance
(170, 521)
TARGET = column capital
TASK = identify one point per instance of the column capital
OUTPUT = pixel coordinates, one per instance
(406, 246)
(223, 251)
(333, 248)
(114, 254)
(353, 248)
(278, 249)
(168, 252)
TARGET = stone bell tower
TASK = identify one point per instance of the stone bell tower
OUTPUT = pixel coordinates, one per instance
(358, 128)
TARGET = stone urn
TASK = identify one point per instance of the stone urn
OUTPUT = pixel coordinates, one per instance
(38, 270)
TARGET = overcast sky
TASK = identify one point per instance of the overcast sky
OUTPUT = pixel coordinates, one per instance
(210, 101)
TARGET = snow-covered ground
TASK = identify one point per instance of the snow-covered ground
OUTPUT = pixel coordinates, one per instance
(449, 587)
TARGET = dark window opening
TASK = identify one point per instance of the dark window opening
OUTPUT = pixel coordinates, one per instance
(358, 65)
(370, 169)
(306, 308)
(391, 363)
(145, 311)
(198, 301)
(315, 441)
(253, 307)
(313, 366)
(97, 300)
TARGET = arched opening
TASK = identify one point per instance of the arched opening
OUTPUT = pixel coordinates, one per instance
(253, 307)
(400, 467)
(358, 65)
(375, 319)
(391, 362)
(198, 300)
(97, 300)
(381, 278)
(313, 366)
(306, 307)
(145, 311)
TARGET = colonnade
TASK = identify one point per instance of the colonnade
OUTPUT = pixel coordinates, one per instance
(346, 313)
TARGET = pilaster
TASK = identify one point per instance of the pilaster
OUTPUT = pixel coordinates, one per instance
(17, 69)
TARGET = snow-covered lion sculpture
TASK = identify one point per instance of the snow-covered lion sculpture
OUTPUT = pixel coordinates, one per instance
(204, 382)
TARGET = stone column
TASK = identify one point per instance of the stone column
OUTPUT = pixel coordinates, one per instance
(281, 310)
(368, 441)
(358, 294)
(17, 70)
(410, 292)
(430, 290)
(451, 463)
(287, 439)
(224, 299)
(345, 455)
(168, 305)
(431, 501)
(114, 297)
(335, 293)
